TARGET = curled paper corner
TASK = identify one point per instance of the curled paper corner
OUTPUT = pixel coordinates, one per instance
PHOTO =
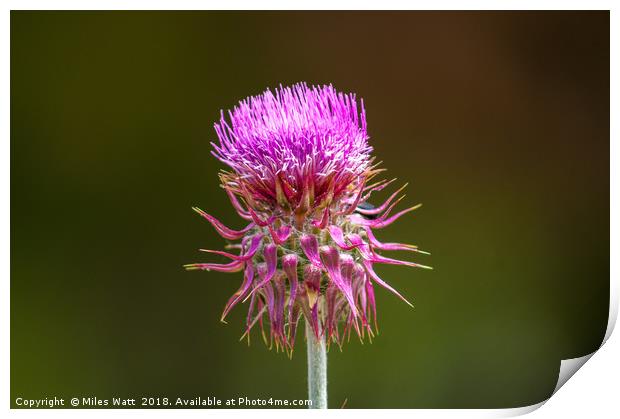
(568, 367)
(520, 411)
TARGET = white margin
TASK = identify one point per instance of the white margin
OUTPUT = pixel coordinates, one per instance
(594, 394)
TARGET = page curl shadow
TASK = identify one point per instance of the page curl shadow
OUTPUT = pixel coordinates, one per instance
(568, 367)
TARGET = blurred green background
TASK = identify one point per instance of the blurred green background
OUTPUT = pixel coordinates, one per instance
(499, 121)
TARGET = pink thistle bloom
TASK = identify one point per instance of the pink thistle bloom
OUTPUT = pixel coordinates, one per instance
(300, 174)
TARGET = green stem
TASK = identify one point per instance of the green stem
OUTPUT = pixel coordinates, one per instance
(317, 369)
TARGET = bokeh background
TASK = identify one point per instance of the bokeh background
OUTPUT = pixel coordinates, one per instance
(499, 122)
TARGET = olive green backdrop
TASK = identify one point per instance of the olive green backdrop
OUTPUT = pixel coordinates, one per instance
(499, 122)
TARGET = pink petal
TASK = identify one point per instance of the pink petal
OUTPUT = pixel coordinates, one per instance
(312, 282)
(279, 299)
(289, 265)
(256, 240)
(359, 281)
(310, 246)
(361, 245)
(372, 257)
(376, 187)
(271, 258)
(322, 223)
(238, 207)
(338, 237)
(353, 205)
(224, 231)
(235, 266)
(237, 296)
(347, 264)
(385, 223)
(331, 261)
(258, 221)
(389, 261)
(370, 294)
(331, 321)
(281, 234)
(383, 206)
(270, 302)
(388, 246)
(378, 280)
(248, 320)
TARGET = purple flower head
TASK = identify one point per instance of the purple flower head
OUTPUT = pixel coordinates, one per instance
(298, 149)
(300, 174)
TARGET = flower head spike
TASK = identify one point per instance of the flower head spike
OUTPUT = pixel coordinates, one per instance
(300, 170)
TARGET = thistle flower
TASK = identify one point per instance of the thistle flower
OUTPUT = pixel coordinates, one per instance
(300, 175)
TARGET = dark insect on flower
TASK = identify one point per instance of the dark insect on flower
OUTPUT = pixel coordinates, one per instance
(363, 208)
